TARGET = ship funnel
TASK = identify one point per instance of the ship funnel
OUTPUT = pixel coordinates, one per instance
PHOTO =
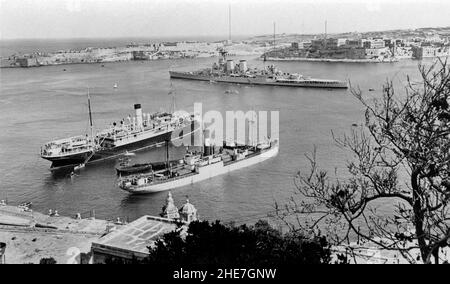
(207, 147)
(243, 66)
(137, 108)
(230, 65)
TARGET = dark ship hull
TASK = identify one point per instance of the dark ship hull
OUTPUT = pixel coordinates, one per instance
(142, 168)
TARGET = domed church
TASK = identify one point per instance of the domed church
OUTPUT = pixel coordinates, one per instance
(186, 213)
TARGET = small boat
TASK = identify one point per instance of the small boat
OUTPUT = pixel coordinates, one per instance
(145, 167)
(136, 168)
(235, 92)
(79, 167)
(371, 90)
(128, 154)
(115, 86)
(25, 205)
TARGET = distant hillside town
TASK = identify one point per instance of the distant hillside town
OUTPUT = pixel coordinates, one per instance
(370, 47)
(387, 46)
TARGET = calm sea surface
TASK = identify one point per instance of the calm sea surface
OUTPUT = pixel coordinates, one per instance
(40, 104)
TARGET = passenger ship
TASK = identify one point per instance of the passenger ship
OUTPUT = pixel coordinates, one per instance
(140, 132)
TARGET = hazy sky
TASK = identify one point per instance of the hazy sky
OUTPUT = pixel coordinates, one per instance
(158, 18)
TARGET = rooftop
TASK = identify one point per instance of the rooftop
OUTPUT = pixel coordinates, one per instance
(136, 236)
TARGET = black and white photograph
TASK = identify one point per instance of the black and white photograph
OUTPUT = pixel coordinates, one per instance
(224, 139)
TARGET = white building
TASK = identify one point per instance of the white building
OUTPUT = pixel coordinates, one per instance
(377, 53)
(132, 240)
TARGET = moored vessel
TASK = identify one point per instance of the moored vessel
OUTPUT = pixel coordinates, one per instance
(127, 169)
(226, 71)
(144, 130)
(196, 167)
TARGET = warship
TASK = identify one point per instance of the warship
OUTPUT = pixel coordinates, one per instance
(140, 132)
(227, 71)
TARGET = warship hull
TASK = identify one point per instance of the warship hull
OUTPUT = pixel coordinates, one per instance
(316, 83)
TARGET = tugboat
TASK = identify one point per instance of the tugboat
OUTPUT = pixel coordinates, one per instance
(226, 71)
(140, 132)
(127, 169)
(196, 166)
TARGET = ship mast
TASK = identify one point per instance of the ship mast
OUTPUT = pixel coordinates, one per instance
(90, 117)
(274, 35)
(167, 155)
(229, 23)
(172, 92)
(251, 125)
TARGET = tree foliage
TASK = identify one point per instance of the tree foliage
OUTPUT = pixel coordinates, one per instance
(218, 245)
(401, 157)
(48, 260)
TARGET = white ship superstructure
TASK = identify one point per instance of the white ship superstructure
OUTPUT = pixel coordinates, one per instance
(142, 131)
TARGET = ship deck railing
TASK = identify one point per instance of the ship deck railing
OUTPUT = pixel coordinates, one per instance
(66, 152)
(159, 181)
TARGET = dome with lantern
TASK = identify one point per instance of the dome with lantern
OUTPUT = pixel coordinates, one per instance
(188, 212)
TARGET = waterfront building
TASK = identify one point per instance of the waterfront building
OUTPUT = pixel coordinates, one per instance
(434, 38)
(373, 43)
(403, 52)
(331, 43)
(376, 53)
(142, 55)
(341, 42)
(424, 51)
(317, 44)
(353, 43)
(366, 43)
(306, 44)
(27, 61)
(399, 42)
(389, 42)
(377, 43)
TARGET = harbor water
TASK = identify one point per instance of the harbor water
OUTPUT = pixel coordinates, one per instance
(40, 104)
